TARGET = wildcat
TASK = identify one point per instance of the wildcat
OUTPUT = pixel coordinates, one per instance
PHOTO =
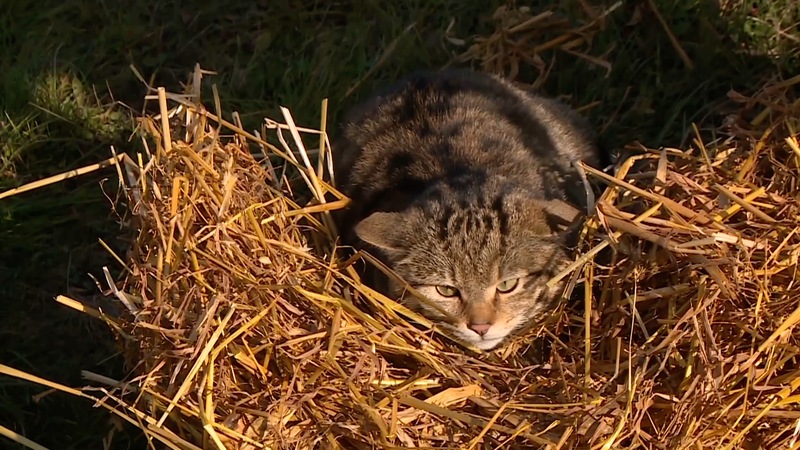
(457, 181)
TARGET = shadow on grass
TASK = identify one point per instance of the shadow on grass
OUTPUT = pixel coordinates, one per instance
(271, 53)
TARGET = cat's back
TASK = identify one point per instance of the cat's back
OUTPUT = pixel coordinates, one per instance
(433, 126)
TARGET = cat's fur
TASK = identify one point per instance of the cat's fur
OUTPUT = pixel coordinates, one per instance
(455, 177)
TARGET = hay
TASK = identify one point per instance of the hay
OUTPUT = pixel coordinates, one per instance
(242, 333)
(522, 38)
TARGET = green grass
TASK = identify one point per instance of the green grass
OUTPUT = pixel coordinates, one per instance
(66, 84)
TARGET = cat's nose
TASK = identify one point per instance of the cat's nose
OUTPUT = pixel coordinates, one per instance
(480, 328)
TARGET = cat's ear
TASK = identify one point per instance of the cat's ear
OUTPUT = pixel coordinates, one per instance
(552, 217)
(381, 229)
(562, 218)
(561, 211)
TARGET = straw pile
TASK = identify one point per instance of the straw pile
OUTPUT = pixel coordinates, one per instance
(247, 328)
(524, 39)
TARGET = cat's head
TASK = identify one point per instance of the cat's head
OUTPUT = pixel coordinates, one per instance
(481, 253)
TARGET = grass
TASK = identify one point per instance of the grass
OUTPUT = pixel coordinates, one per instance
(67, 93)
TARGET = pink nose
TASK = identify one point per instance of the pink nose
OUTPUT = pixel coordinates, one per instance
(480, 328)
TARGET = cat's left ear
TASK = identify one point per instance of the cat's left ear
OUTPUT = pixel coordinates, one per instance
(381, 229)
(568, 216)
(561, 212)
(545, 217)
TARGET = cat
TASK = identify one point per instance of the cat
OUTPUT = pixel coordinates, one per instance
(457, 181)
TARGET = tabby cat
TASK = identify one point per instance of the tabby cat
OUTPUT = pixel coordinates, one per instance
(458, 180)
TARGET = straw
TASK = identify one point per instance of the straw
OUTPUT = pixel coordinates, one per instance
(246, 328)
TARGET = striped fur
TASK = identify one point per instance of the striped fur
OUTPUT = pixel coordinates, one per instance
(456, 178)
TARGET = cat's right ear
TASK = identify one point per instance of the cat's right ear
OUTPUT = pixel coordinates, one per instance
(381, 229)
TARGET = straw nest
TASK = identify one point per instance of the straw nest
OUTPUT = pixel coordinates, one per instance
(247, 328)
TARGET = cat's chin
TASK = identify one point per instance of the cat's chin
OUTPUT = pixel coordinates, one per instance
(487, 344)
(482, 344)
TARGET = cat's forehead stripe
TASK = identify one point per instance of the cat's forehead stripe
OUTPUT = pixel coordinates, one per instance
(502, 216)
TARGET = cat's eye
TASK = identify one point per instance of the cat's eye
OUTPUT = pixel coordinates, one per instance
(507, 286)
(447, 291)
